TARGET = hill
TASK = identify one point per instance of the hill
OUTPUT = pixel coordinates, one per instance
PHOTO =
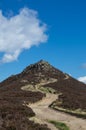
(32, 85)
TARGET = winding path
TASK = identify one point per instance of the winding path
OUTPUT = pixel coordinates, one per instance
(44, 113)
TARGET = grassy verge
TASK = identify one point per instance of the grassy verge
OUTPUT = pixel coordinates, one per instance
(47, 90)
(78, 113)
(60, 125)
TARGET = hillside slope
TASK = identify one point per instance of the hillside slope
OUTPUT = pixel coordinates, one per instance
(19, 90)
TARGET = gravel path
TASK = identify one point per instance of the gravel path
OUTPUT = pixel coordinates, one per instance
(44, 113)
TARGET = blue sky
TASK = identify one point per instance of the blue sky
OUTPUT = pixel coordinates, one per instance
(66, 30)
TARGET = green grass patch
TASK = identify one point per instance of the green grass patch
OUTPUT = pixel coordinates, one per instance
(78, 112)
(47, 90)
(60, 125)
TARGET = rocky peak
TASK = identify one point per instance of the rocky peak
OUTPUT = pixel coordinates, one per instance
(39, 66)
(43, 63)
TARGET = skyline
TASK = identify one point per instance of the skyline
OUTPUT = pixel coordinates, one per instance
(62, 41)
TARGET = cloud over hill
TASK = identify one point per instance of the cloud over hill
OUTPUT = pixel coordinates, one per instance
(20, 32)
(82, 79)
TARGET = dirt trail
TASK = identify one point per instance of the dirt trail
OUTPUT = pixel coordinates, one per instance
(66, 77)
(44, 113)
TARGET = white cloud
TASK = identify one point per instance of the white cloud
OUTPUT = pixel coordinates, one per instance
(82, 79)
(20, 32)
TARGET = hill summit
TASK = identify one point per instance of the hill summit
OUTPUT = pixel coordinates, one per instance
(41, 65)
